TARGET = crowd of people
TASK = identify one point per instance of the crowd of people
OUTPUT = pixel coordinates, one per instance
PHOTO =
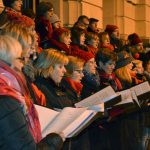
(44, 63)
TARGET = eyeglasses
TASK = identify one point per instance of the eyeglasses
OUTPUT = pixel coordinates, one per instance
(79, 71)
(21, 58)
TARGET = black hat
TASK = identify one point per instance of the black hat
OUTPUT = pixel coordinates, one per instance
(123, 59)
(91, 20)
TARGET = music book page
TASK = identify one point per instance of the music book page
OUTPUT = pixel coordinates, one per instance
(102, 96)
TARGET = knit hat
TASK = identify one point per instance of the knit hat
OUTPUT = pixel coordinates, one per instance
(134, 39)
(54, 19)
(123, 59)
(86, 56)
(58, 32)
(110, 29)
(8, 3)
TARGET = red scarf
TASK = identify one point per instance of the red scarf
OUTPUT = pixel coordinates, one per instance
(77, 86)
(112, 76)
(48, 26)
(14, 85)
(61, 46)
(135, 79)
(110, 47)
(92, 49)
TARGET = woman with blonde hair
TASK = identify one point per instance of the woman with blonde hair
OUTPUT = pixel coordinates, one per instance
(50, 67)
(19, 122)
(74, 74)
(124, 70)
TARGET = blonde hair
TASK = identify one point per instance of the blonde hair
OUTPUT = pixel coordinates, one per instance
(123, 74)
(10, 49)
(47, 60)
(18, 32)
(75, 63)
(137, 62)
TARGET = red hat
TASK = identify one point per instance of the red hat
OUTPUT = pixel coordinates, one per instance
(134, 39)
(86, 56)
(110, 28)
(58, 32)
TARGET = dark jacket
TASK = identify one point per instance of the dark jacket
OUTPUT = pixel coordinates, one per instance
(14, 131)
(55, 95)
(91, 84)
(71, 93)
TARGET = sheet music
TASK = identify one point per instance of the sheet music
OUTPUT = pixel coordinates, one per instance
(100, 97)
(141, 88)
(46, 115)
(77, 124)
(66, 117)
(126, 97)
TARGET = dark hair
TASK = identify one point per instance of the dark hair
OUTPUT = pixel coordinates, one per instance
(8, 3)
(29, 13)
(104, 55)
(92, 20)
(80, 19)
(75, 35)
(42, 8)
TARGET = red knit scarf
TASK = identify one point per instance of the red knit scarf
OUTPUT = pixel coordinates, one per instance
(61, 46)
(14, 85)
(113, 77)
(92, 49)
(76, 86)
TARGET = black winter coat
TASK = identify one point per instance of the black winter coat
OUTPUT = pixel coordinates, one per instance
(55, 95)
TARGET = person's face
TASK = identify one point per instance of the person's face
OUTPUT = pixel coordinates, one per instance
(90, 66)
(66, 39)
(18, 61)
(77, 75)
(139, 69)
(94, 26)
(106, 39)
(139, 47)
(58, 73)
(49, 14)
(85, 22)
(17, 5)
(82, 39)
(148, 68)
(116, 34)
(57, 25)
(108, 67)
(94, 42)
(27, 51)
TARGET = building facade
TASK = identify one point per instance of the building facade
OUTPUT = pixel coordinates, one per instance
(129, 15)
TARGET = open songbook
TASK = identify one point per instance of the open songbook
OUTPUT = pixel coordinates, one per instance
(106, 96)
(137, 93)
(70, 121)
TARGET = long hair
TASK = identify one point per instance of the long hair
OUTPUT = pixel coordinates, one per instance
(123, 74)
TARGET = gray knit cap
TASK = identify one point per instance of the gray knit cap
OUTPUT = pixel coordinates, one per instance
(54, 19)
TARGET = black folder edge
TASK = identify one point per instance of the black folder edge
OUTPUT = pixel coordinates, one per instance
(112, 101)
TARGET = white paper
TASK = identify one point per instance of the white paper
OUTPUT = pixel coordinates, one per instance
(77, 124)
(126, 97)
(100, 97)
(46, 115)
(141, 88)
